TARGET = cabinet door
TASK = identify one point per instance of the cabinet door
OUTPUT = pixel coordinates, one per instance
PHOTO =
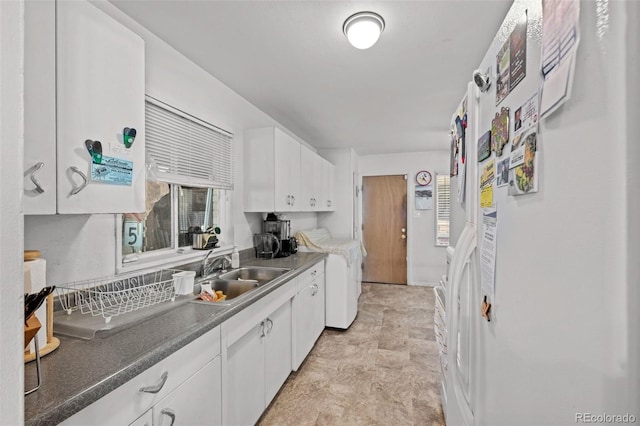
(330, 186)
(318, 302)
(245, 393)
(195, 402)
(328, 178)
(295, 173)
(144, 420)
(283, 158)
(100, 91)
(317, 182)
(277, 364)
(39, 107)
(306, 170)
(305, 327)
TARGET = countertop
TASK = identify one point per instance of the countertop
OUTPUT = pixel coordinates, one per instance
(80, 372)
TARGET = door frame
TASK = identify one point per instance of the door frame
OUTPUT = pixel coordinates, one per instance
(409, 201)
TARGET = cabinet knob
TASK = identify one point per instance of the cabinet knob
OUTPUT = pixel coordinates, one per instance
(32, 176)
(158, 387)
(170, 413)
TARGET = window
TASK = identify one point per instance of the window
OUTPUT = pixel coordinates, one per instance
(189, 168)
(443, 203)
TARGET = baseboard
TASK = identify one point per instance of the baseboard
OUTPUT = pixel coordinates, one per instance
(423, 284)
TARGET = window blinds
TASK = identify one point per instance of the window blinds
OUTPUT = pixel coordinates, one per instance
(184, 150)
(443, 203)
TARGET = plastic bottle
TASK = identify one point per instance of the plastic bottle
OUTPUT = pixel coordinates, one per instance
(235, 258)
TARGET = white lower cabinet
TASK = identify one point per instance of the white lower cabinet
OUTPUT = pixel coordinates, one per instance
(144, 420)
(195, 402)
(245, 378)
(277, 354)
(309, 315)
(258, 356)
(229, 375)
(193, 370)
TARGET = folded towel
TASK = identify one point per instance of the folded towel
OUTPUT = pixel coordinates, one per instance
(320, 240)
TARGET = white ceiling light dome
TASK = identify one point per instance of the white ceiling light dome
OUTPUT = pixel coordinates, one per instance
(363, 29)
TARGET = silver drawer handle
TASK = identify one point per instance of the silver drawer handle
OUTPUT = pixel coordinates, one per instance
(169, 412)
(37, 167)
(270, 327)
(158, 387)
(288, 200)
(293, 200)
(74, 191)
(314, 290)
(262, 333)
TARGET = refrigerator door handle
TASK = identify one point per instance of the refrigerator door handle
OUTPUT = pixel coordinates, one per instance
(464, 249)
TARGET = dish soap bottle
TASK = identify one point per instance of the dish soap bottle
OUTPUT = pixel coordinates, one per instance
(235, 258)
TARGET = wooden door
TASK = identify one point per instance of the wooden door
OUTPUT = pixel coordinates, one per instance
(384, 202)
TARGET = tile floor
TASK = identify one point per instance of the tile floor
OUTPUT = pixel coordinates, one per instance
(383, 370)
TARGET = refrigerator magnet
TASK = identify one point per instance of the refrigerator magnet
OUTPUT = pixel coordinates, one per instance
(500, 130)
(484, 146)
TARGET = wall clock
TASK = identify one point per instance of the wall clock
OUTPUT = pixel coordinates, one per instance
(423, 178)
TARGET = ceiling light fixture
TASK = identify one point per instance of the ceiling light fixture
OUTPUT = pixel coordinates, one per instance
(363, 29)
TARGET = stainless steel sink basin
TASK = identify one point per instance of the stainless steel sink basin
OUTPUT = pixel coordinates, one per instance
(231, 288)
(259, 275)
(239, 281)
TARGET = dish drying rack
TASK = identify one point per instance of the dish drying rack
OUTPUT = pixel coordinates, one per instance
(118, 295)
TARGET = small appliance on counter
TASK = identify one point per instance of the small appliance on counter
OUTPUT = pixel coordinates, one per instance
(281, 229)
(267, 245)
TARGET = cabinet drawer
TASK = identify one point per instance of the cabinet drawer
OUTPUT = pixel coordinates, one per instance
(126, 403)
(310, 274)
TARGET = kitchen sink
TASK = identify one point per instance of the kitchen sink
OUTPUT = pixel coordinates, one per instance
(260, 275)
(231, 288)
(239, 281)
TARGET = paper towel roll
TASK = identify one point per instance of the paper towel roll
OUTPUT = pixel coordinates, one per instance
(35, 276)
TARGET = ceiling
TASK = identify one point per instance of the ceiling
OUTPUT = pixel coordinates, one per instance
(291, 60)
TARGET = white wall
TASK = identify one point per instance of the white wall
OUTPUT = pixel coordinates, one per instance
(426, 262)
(11, 152)
(79, 247)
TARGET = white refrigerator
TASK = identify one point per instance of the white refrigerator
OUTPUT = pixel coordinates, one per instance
(562, 343)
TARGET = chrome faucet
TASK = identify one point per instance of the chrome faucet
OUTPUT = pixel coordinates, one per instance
(220, 263)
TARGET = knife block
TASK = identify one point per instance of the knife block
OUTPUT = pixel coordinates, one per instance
(52, 342)
(31, 329)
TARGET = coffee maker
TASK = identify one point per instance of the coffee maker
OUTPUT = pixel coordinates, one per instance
(281, 229)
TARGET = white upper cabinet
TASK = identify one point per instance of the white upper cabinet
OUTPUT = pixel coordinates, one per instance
(287, 173)
(39, 107)
(272, 171)
(283, 175)
(328, 180)
(100, 91)
(311, 169)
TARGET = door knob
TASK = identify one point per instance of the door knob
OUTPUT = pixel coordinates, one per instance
(404, 230)
(404, 237)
